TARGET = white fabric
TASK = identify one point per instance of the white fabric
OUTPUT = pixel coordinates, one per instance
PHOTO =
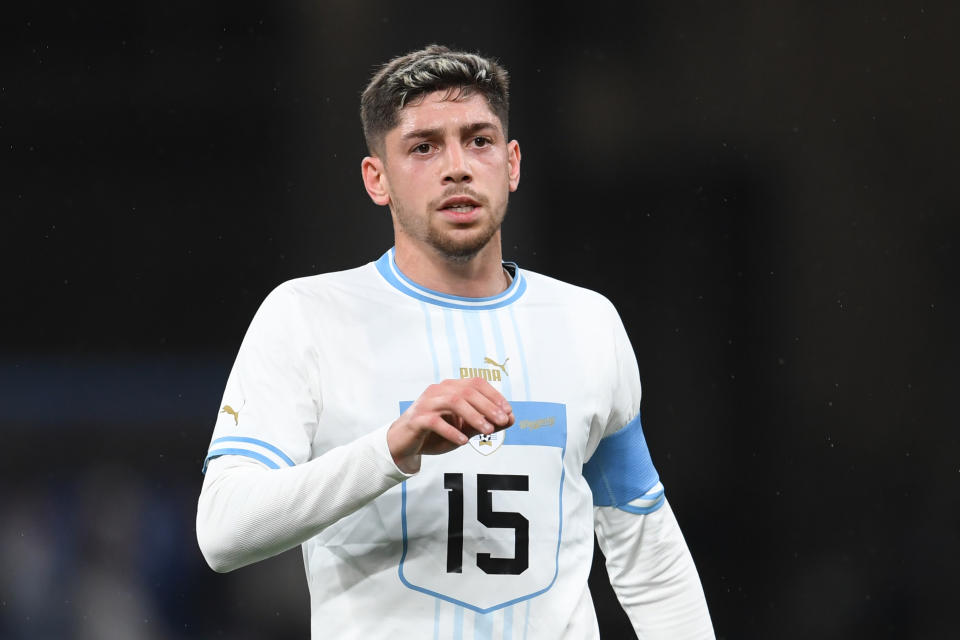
(301, 458)
(652, 573)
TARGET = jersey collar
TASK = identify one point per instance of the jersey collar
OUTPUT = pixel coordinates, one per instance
(387, 267)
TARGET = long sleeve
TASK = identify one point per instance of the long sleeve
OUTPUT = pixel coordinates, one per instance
(648, 562)
(652, 572)
(264, 491)
(248, 512)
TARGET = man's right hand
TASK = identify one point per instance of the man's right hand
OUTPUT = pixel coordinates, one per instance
(444, 417)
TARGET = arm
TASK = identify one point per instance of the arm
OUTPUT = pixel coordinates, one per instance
(648, 562)
(652, 573)
(248, 512)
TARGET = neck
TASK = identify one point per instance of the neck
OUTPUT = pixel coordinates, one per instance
(480, 276)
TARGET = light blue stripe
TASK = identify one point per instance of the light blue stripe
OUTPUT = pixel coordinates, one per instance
(641, 511)
(483, 626)
(216, 453)
(413, 285)
(433, 348)
(387, 268)
(651, 496)
(538, 424)
(261, 443)
(452, 343)
(436, 619)
(523, 355)
(471, 321)
(508, 623)
(458, 623)
(501, 352)
(526, 622)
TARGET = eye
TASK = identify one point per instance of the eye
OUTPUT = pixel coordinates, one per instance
(422, 148)
(481, 141)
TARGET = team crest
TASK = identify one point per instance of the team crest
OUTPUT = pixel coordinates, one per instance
(487, 443)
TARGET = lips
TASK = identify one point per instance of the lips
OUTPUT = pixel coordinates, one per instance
(459, 204)
(461, 209)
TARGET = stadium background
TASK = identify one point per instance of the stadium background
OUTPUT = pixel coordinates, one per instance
(763, 189)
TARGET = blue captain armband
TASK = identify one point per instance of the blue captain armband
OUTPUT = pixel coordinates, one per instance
(621, 471)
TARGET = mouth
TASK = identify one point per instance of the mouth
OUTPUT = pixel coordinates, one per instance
(459, 204)
(460, 209)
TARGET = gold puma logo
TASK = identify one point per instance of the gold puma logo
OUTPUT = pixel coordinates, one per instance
(503, 366)
(236, 414)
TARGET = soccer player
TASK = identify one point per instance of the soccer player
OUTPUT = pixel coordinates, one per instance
(442, 431)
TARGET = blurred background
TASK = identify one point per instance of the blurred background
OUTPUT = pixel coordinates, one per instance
(763, 190)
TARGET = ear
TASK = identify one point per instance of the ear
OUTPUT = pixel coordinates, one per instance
(375, 180)
(513, 164)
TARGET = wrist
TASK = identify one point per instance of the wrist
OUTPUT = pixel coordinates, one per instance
(408, 464)
(407, 460)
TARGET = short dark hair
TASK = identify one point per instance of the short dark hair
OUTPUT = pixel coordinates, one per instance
(435, 68)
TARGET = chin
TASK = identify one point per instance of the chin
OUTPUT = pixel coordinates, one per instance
(461, 249)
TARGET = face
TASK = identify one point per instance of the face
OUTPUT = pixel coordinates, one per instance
(446, 171)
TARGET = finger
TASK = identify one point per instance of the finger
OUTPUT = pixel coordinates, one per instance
(470, 432)
(490, 409)
(445, 430)
(453, 420)
(490, 393)
(464, 406)
(457, 407)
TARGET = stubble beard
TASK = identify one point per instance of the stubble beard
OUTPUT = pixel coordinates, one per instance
(452, 243)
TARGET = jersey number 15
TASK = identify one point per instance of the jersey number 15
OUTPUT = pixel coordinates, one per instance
(486, 483)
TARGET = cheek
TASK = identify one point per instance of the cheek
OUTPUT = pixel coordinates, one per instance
(407, 194)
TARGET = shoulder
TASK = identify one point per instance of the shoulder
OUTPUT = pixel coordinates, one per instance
(325, 284)
(311, 296)
(543, 289)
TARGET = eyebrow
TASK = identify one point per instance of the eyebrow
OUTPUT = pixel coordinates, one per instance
(438, 132)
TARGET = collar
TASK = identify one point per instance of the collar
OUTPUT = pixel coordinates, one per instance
(387, 266)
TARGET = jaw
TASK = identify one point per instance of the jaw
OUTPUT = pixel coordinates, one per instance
(449, 242)
(461, 237)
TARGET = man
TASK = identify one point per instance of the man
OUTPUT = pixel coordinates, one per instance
(440, 430)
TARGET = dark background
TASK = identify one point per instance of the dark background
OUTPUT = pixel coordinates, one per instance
(763, 189)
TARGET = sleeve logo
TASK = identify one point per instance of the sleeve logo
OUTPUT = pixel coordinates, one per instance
(229, 410)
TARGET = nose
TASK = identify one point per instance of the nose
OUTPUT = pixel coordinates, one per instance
(457, 167)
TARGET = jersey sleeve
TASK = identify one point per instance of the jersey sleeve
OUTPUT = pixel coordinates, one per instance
(620, 471)
(264, 492)
(650, 567)
(272, 401)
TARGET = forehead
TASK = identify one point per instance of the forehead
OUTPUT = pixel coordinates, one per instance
(445, 110)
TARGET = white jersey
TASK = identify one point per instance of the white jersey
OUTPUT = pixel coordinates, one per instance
(491, 541)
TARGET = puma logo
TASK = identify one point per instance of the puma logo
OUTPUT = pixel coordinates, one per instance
(503, 366)
(229, 410)
(491, 375)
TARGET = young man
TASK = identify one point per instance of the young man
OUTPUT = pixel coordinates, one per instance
(442, 431)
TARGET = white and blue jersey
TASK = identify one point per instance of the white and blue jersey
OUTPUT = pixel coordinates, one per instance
(491, 541)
